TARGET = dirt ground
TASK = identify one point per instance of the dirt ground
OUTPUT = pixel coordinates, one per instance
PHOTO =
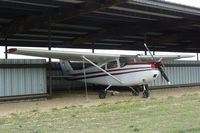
(60, 100)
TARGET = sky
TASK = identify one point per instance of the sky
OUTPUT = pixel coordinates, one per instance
(194, 3)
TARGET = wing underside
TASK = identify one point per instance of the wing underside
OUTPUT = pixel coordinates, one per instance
(96, 57)
(162, 57)
(64, 55)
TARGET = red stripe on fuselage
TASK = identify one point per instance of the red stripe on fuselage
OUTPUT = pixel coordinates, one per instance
(114, 70)
(120, 73)
(140, 63)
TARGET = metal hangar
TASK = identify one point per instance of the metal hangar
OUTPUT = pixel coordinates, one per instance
(98, 24)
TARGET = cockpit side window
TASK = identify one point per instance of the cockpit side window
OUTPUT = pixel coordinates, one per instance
(122, 64)
(122, 61)
(112, 64)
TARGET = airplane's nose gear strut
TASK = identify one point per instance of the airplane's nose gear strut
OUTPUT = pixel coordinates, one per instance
(146, 92)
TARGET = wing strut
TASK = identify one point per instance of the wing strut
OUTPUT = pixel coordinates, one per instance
(86, 90)
(115, 78)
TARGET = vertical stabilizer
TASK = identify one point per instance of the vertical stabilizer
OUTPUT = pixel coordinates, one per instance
(66, 67)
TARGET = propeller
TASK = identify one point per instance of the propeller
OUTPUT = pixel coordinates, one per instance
(158, 65)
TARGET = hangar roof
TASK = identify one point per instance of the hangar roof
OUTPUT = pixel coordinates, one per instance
(100, 24)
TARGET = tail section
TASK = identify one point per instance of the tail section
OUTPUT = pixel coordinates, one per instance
(66, 67)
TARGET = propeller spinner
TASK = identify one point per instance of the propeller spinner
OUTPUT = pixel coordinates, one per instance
(158, 65)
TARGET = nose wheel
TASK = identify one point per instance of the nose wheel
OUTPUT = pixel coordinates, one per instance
(146, 92)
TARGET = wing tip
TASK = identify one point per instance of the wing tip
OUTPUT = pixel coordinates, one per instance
(11, 50)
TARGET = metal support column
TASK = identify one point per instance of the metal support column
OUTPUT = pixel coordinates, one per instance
(50, 67)
(145, 41)
(6, 48)
(145, 38)
(6, 54)
(92, 47)
(145, 52)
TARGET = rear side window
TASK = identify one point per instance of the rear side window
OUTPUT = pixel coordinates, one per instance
(103, 67)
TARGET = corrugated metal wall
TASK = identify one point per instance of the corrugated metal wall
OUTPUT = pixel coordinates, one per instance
(63, 84)
(180, 72)
(22, 81)
(29, 81)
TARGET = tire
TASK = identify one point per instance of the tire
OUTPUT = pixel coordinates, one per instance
(146, 93)
(102, 94)
(136, 91)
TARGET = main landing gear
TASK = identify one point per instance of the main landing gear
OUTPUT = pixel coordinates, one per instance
(136, 90)
(103, 93)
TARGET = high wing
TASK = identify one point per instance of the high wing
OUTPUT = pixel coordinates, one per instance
(163, 57)
(96, 57)
(64, 55)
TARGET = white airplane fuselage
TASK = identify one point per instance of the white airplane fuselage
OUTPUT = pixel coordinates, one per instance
(131, 74)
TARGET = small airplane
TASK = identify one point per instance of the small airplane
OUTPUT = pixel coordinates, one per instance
(133, 71)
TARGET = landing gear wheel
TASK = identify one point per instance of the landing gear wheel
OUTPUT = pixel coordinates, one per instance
(102, 94)
(135, 91)
(146, 92)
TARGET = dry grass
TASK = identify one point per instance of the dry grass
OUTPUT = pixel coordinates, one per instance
(61, 100)
(156, 115)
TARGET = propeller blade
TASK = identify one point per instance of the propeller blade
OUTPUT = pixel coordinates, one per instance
(164, 74)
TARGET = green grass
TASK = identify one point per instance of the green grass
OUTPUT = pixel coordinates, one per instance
(170, 115)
